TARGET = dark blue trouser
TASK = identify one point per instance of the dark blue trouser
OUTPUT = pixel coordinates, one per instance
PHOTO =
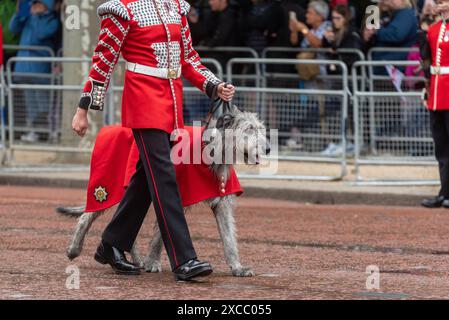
(155, 179)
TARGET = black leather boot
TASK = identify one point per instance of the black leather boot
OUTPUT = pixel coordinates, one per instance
(107, 254)
(436, 202)
(192, 269)
(446, 203)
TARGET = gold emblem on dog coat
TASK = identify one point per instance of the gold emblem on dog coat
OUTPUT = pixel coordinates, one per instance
(100, 194)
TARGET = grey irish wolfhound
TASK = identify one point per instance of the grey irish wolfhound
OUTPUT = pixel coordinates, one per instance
(251, 142)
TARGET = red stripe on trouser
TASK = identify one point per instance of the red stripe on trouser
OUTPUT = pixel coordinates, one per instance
(158, 199)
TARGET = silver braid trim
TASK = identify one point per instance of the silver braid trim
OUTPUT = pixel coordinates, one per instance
(114, 7)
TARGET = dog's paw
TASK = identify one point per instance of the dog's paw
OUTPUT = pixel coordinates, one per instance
(72, 252)
(138, 262)
(153, 266)
(243, 272)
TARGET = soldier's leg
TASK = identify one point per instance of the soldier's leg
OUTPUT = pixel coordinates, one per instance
(154, 148)
(440, 132)
(122, 231)
(444, 168)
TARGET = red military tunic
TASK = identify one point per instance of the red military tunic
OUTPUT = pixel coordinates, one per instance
(152, 33)
(438, 37)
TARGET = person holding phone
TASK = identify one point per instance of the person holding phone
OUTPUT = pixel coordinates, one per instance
(316, 18)
(38, 25)
(341, 35)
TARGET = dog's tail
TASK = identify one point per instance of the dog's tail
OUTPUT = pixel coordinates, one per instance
(74, 212)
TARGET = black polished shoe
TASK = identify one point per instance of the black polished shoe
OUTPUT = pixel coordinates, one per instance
(436, 202)
(446, 203)
(192, 269)
(107, 254)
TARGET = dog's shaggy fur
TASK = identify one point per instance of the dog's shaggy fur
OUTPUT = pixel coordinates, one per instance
(223, 207)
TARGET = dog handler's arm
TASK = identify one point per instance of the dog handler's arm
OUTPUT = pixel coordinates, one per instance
(192, 68)
(114, 28)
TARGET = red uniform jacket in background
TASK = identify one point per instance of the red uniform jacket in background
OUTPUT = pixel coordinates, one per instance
(438, 37)
(113, 163)
(153, 33)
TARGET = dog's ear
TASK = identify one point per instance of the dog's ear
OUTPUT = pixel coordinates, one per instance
(236, 109)
(225, 121)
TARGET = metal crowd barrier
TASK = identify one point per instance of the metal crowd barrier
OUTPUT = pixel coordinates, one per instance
(391, 127)
(369, 55)
(13, 47)
(253, 53)
(266, 52)
(311, 118)
(286, 77)
(308, 120)
(56, 89)
(42, 94)
(224, 54)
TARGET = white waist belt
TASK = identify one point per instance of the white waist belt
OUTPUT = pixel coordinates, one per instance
(163, 73)
(439, 70)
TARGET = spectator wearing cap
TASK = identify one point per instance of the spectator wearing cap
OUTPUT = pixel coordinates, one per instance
(37, 24)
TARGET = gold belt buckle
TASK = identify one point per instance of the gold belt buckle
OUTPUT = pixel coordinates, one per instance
(172, 74)
(437, 70)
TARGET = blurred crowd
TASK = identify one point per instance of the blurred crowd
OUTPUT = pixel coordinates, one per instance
(256, 24)
(259, 24)
(34, 23)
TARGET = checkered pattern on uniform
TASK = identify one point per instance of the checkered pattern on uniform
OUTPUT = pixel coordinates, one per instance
(185, 7)
(160, 51)
(118, 24)
(114, 7)
(145, 14)
(210, 77)
(192, 57)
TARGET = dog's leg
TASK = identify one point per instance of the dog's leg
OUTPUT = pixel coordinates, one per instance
(83, 226)
(153, 260)
(224, 214)
(135, 256)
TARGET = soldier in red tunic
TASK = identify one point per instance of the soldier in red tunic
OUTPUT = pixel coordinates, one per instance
(154, 38)
(438, 98)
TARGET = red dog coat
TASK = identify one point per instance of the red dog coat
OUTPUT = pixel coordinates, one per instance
(113, 163)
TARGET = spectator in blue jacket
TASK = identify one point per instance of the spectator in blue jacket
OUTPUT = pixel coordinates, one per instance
(38, 25)
(400, 32)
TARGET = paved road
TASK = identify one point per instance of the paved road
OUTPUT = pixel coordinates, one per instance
(298, 251)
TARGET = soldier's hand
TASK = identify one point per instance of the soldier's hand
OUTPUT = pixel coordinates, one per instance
(80, 122)
(226, 91)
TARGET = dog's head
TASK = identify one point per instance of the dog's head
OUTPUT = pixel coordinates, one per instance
(249, 139)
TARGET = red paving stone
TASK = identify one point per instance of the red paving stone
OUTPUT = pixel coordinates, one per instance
(298, 251)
